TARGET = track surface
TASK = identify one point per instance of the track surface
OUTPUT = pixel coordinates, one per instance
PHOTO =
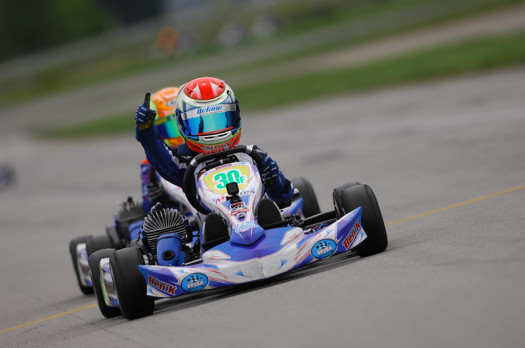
(453, 278)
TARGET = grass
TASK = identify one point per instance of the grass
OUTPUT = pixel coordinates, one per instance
(444, 61)
(119, 124)
(382, 30)
(464, 57)
(132, 60)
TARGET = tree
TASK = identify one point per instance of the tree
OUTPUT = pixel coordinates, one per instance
(28, 26)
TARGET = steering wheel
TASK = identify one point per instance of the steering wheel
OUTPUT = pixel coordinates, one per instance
(188, 184)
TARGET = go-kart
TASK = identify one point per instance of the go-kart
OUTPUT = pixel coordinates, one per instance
(126, 226)
(245, 237)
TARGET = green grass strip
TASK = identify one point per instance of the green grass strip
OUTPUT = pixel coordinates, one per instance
(444, 61)
(108, 126)
(464, 57)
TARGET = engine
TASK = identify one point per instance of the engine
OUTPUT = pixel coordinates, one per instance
(162, 221)
(129, 212)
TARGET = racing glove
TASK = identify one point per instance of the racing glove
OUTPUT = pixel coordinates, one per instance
(270, 173)
(278, 187)
(144, 116)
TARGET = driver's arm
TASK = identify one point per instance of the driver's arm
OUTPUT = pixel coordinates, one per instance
(159, 155)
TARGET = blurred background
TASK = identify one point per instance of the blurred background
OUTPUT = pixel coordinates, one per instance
(109, 52)
(421, 99)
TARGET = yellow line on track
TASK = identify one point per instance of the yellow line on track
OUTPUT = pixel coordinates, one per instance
(456, 205)
(388, 224)
(47, 318)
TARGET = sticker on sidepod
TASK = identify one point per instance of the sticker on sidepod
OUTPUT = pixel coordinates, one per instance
(218, 179)
(324, 248)
(162, 286)
(349, 240)
(194, 282)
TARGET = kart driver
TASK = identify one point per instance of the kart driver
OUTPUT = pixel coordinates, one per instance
(166, 125)
(209, 120)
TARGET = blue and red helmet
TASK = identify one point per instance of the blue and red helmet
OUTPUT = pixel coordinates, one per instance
(208, 115)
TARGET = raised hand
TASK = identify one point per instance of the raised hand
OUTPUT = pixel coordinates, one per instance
(144, 116)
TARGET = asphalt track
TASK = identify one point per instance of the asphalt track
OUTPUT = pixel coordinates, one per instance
(446, 161)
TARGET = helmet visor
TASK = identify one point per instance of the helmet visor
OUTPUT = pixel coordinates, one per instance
(167, 127)
(200, 122)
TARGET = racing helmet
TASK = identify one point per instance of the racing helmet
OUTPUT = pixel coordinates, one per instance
(208, 115)
(163, 102)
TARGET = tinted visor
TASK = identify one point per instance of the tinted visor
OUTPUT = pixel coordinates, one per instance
(200, 123)
(167, 127)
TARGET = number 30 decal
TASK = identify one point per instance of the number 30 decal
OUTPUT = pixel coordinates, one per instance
(224, 178)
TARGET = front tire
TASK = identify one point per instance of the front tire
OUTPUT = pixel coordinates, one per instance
(94, 265)
(350, 196)
(86, 290)
(306, 191)
(130, 284)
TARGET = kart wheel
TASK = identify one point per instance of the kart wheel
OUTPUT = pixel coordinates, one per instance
(94, 265)
(306, 191)
(114, 237)
(99, 242)
(130, 284)
(353, 196)
(338, 193)
(73, 251)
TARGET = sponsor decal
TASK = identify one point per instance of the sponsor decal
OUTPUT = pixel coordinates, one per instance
(194, 282)
(351, 236)
(217, 147)
(324, 248)
(223, 166)
(209, 109)
(244, 226)
(221, 199)
(246, 192)
(165, 287)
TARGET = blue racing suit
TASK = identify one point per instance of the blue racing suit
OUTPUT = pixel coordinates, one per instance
(172, 165)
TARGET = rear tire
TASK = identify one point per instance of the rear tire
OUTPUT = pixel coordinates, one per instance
(86, 290)
(130, 284)
(350, 196)
(99, 242)
(306, 191)
(94, 265)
